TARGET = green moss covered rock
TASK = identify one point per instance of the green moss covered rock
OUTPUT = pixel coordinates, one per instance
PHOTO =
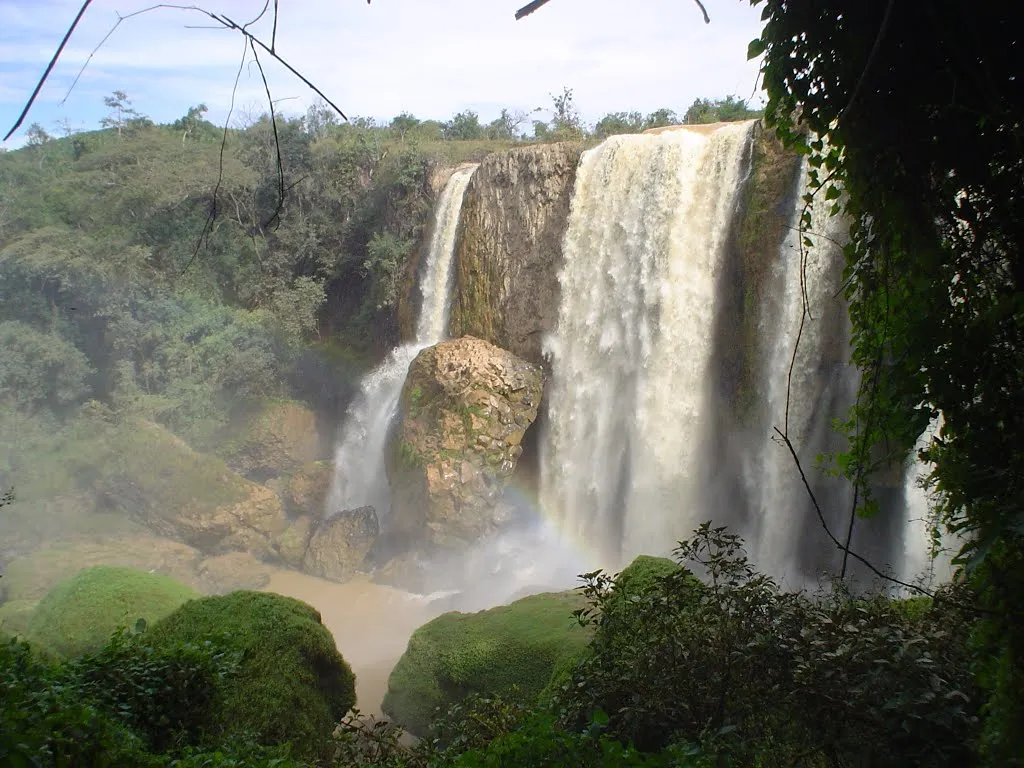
(513, 646)
(293, 685)
(79, 615)
(643, 572)
(15, 617)
(275, 439)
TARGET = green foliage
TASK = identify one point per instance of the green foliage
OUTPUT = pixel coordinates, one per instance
(633, 122)
(490, 652)
(292, 685)
(170, 696)
(80, 614)
(851, 681)
(464, 126)
(934, 271)
(44, 722)
(724, 110)
(40, 369)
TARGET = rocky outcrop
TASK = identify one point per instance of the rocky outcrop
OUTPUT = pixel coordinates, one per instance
(308, 487)
(157, 479)
(274, 440)
(292, 544)
(466, 406)
(340, 544)
(236, 570)
(513, 220)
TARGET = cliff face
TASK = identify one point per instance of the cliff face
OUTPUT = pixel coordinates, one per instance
(513, 220)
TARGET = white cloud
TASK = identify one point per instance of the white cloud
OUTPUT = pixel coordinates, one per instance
(429, 57)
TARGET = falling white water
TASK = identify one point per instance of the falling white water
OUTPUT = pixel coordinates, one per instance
(359, 472)
(630, 351)
(925, 561)
(808, 276)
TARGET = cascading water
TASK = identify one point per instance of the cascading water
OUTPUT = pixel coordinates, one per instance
(359, 474)
(808, 381)
(647, 229)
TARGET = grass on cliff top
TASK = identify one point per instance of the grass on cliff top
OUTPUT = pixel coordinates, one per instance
(512, 646)
(80, 614)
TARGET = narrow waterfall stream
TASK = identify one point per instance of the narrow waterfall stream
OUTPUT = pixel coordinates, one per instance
(646, 236)
(359, 475)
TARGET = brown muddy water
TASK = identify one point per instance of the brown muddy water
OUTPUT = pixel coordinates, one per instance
(371, 624)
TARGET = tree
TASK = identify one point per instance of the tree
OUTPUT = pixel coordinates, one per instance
(619, 122)
(402, 124)
(566, 122)
(191, 122)
(935, 271)
(507, 125)
(660, 118)
(463, 127)
(724, 110)
(122, 114)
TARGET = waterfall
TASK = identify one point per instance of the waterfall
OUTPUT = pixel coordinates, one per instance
(806, 281)
(918, 564)
(646, 237)
(359, 471)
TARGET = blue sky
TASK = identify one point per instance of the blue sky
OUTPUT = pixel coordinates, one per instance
(429, 57)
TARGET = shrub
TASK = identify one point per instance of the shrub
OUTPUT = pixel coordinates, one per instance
(44, 722)
(774, 679)
(490, 652)
(168, 695)
(292, 684)
(80, 614)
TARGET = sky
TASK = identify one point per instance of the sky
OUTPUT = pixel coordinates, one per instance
(432, 58)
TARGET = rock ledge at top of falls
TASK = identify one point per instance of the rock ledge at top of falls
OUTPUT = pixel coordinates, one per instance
(509, 249)
(466, 405)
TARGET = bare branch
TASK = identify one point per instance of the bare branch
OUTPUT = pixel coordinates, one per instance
(277, 143)
(49, 68)
(536, 5)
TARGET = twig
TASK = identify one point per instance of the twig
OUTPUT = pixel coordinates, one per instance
(49, 68)
(211, 215)
(277, 143)
(821, 518)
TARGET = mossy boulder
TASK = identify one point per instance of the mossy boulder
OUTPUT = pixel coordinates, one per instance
(291, 545)
(31, 577)
(465, 408)
(15, 618)
(293, 685)
(155, 478)
(643, 572)
(520, 646)
(79, 615)
(274, 439)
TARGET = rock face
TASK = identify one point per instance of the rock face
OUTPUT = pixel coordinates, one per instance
(341, 543)
(514, 217)
(158, 480)
(275, 440)
(466, 406)
(236, 570)
(308, 488)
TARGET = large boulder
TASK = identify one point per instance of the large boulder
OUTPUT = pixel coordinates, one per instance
(275, 439)
(512, 223)
(31, 577)
(292, 685)
(521, 646)
(466, 405)
(340, 544)
(307, 488)
(292, 544)
(155, 478)
(79, 615)
(221, 574)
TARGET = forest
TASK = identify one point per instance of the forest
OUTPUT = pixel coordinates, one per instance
(186, 275)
